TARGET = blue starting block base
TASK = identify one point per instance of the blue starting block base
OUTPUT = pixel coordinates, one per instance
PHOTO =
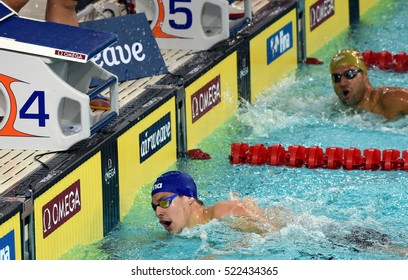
(46, 78)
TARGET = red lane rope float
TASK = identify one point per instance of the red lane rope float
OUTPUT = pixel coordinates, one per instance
(313, 60)
(198, 154)
(315, 157)
(385, 60)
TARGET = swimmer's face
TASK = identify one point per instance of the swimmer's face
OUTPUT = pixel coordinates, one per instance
(349, 84)
(174, 217)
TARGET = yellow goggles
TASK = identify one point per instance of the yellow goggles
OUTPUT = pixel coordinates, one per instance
(164, 202)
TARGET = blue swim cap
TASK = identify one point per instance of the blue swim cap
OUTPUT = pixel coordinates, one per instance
(175, 182)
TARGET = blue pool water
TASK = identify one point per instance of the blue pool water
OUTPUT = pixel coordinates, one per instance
(332, 214)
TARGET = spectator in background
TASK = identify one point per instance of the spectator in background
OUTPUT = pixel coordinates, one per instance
(59, 11)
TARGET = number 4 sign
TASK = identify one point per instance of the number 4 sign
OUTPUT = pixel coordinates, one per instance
(41, 110)
(37, 97)
(39, 107)
(45, 83)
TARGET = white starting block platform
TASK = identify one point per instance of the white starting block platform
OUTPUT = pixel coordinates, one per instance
(195, 25)
(46, 83)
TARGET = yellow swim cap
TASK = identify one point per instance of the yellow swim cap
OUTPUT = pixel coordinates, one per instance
(348, 57)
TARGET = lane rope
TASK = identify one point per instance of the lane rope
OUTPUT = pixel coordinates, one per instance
(315, 157)
(386, 60)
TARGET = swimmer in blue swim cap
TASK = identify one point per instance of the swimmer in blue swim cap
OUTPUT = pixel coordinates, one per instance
(176, 205)
(352, 86)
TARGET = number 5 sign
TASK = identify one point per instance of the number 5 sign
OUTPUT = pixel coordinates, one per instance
(187, 24)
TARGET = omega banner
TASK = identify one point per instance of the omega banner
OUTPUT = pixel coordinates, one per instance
(206, 98)
(61, 208)
(136, 54)
(320, 12)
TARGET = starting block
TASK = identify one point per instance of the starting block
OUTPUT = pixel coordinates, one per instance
(187, 24)
(47, 81)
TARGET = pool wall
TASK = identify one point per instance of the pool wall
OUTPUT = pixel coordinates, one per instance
(273, 52)
(82, 195)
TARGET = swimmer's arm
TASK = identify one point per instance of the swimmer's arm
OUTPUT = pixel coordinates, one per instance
(246, 216)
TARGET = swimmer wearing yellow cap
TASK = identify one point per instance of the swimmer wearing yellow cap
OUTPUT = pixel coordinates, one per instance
(352, 86)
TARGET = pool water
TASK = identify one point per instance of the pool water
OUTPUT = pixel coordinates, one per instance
(334, 214)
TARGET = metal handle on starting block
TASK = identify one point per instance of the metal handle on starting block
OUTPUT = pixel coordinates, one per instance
(100, 88)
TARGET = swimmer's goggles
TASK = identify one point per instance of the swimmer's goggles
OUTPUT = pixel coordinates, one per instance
(349, 75)
(164, 202)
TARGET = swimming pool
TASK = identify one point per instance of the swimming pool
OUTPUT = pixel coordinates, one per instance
(327, 207)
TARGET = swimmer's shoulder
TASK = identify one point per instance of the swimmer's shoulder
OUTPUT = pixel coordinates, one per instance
(391, 91)
(392, 101)
(230, 207)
